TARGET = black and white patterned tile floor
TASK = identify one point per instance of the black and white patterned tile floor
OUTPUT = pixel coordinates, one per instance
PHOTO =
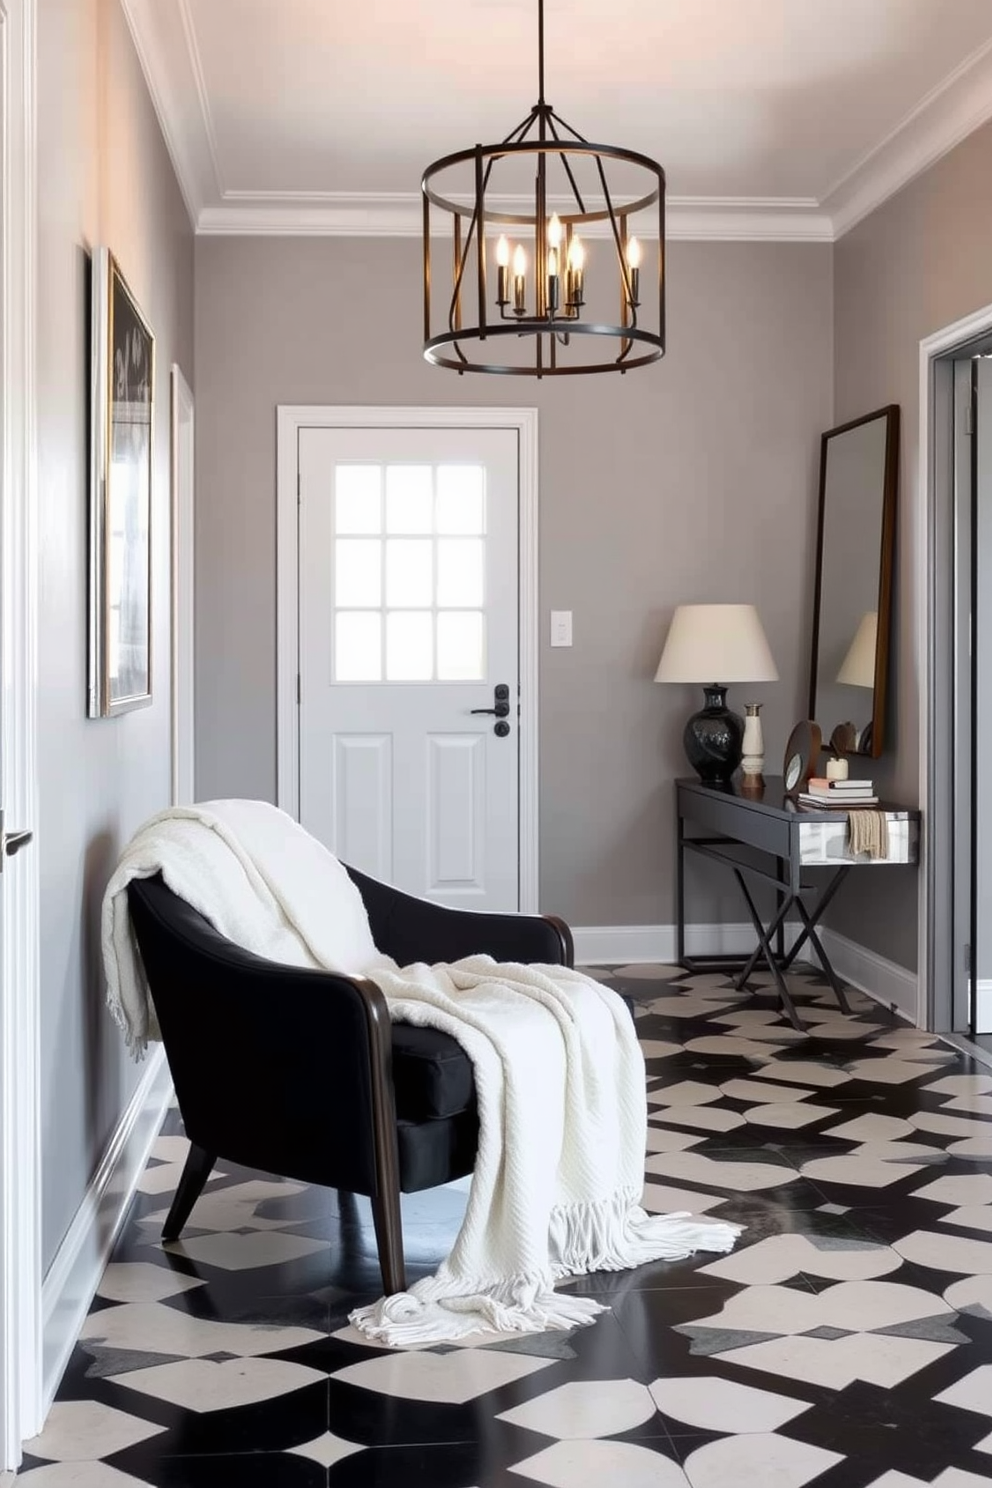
(846, 1341)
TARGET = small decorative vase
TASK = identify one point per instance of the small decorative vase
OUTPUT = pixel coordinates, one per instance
(712, 737)
(753, 756)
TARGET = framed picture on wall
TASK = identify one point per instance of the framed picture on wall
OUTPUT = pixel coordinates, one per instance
(121, 404)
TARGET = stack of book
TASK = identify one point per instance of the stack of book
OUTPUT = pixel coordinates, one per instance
(841, 795)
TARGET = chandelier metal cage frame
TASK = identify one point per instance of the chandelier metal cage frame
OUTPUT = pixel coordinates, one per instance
(558, 295)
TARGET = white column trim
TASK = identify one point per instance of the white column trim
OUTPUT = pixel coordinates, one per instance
(20, 1141)
(959, 333)
(289, 421)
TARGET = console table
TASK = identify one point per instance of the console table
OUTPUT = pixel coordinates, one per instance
(716, 821)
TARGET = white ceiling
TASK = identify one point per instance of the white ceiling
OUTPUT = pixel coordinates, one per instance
(772, 118)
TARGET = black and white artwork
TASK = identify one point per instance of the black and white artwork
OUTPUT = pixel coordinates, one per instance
(120, 566)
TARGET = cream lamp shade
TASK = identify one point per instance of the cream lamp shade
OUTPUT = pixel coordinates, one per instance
(858, 667)
(716, 643)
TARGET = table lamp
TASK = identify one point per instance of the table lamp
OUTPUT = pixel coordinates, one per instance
(858, 667)
(715, 640)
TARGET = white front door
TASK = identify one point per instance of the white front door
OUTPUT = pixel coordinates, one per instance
(408, 639)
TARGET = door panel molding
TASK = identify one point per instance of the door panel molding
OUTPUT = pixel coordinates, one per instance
(290, 419)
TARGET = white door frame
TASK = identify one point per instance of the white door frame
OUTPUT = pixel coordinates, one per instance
(290, 420)
(183, 614)
(933, 575)
(20, 1144)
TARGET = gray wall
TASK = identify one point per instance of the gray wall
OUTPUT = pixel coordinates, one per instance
(104, 177)
(918, 263)
(692, 480)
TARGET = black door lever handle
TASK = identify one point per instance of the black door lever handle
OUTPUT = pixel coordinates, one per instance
(500, 710)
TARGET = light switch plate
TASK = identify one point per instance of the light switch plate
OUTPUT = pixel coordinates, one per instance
(561, 627)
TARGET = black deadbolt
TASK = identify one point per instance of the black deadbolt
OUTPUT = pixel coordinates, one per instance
(501, 729)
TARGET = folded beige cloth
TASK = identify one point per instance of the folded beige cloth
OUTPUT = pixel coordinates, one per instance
(868, 832)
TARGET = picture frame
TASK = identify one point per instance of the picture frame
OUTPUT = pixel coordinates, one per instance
(121, 420)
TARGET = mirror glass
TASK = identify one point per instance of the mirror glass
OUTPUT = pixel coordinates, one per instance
(852, 605)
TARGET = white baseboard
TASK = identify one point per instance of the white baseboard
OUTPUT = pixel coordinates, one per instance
(625, 945)
(888, 983)
(72, 1280)
(983, 1012)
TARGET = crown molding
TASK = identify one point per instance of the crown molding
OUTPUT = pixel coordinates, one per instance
(166, 46)
(400, 215)
(947, 115)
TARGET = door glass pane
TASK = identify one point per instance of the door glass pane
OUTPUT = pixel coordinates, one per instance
(460, 499)
(357, 647)
(409, 498)
(459, 571)
(358, 498)
(461, 648)
(409, 571)
(409, 646)
(358, 572)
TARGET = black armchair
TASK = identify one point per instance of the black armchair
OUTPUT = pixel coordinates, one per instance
(300, 1072)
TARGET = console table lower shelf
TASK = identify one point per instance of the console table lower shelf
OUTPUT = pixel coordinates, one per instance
(787, 839)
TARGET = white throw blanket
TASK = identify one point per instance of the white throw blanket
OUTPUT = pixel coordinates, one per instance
(558, 1073)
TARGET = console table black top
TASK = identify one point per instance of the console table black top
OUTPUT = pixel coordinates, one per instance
(771, 799)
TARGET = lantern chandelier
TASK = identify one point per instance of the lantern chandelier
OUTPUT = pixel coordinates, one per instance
(548, 308)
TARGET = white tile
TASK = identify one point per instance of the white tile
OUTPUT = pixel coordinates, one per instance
(171, 1149)
(235, 1208)
(706, 1118)
(596, 1463)
(685, 1093)
(140, 1281)
(787, 1117)
(945, 1252)
(652, 971)
(972, 1295)
(872, 1128)
(661, 1139)
(857, 1170)
(975, 1149)
(585, 1409)
(246, 1252)
(781, 1257)
(78, 1475)
(724, 1045)
(969, 1188)
(985, 1445)
(835, 1363)
(659, 1048)
(975, 1217)
(451, 1378)
(676, 1004)
(328, 1449)
(739, 1177)
(762, 1458)
(208, 1385)
(715, 1404)
(851, 1305)
(950, 1126)
(973, 1392)
(763, 1091)
(82, 1430)
(658, 1198)
(978, 1105)
(951, 1477)
(962, 1085)
(805, 1072)
(840, 1027)
(158, 1329)
(887, 1071)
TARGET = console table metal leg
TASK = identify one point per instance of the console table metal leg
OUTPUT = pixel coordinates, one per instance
(809, 922)
(773, 929)
(680, 894)
(765, 945)
(822, 903)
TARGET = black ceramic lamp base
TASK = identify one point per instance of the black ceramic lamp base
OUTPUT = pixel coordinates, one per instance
(714, 738)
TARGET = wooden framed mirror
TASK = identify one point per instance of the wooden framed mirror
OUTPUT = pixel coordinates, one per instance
(853, 591)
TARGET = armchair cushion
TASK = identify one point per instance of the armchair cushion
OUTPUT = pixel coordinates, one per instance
(432, 1074)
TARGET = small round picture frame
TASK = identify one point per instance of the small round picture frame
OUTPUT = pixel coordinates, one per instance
(802, 753)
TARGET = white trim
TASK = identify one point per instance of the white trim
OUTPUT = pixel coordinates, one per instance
(82, 1257)
(627, 945)
(983, 1009)
(921, 530)
(399, 214)
(20, 1141)
(957, 106)
(183, 589)
(289, 421)
(884, 980)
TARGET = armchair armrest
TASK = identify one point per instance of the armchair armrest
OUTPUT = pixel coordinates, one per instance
(278, 1067)
(411, 929)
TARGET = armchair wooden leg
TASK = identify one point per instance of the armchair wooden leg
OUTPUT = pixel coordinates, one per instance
(195, 1174)
(389, 1238)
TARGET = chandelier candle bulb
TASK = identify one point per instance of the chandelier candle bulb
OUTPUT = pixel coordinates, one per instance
(502, 267)
(634, 268)
(519, 280)
(552, 279)
(576, 265)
